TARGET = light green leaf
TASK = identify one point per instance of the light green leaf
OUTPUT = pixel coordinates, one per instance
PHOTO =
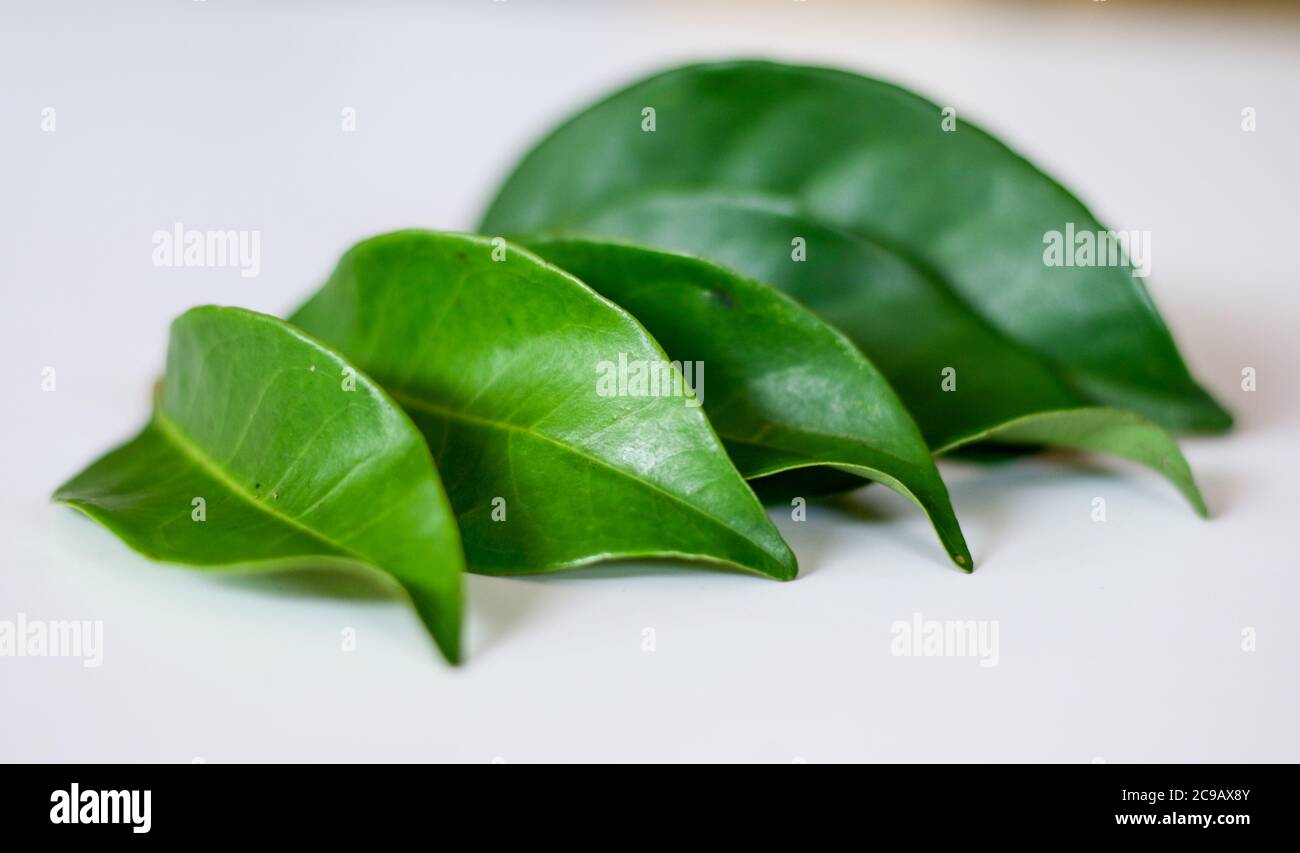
(502, 361)
(268, 448)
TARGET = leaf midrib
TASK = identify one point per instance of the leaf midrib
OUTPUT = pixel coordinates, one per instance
(786, 206)
(182, 442)
(746, 289)
(410, 400)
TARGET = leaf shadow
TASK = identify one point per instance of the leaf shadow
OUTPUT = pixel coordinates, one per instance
(1225, 344)
(315, 582)
(810, 539)
(1220, 490)
(498, 607)
(628, 567)
(495, 607)
(985, 496)
(503, 604)
(1102, 469)
(874, 506)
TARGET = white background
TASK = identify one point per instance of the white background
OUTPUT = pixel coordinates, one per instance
(1119, 640)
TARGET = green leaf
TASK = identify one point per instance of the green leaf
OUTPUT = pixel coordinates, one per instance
(785, 390)
(961, 378)
(267, 448)
(1106, 430)
(874, 158)
(499, 358)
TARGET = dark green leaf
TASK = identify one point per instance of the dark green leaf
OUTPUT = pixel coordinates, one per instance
(874, 158)
(961, 378)
(267, 448)
(785, 390)
(498, 358)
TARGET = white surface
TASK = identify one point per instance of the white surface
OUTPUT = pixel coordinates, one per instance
(1118, 640)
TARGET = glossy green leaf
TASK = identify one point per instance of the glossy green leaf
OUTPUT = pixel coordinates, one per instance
(876, 159)
(499, 358)
(267, 448)
(960, 377)
(785, 390)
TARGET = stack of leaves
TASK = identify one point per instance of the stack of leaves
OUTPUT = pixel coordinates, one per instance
(863, 277)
